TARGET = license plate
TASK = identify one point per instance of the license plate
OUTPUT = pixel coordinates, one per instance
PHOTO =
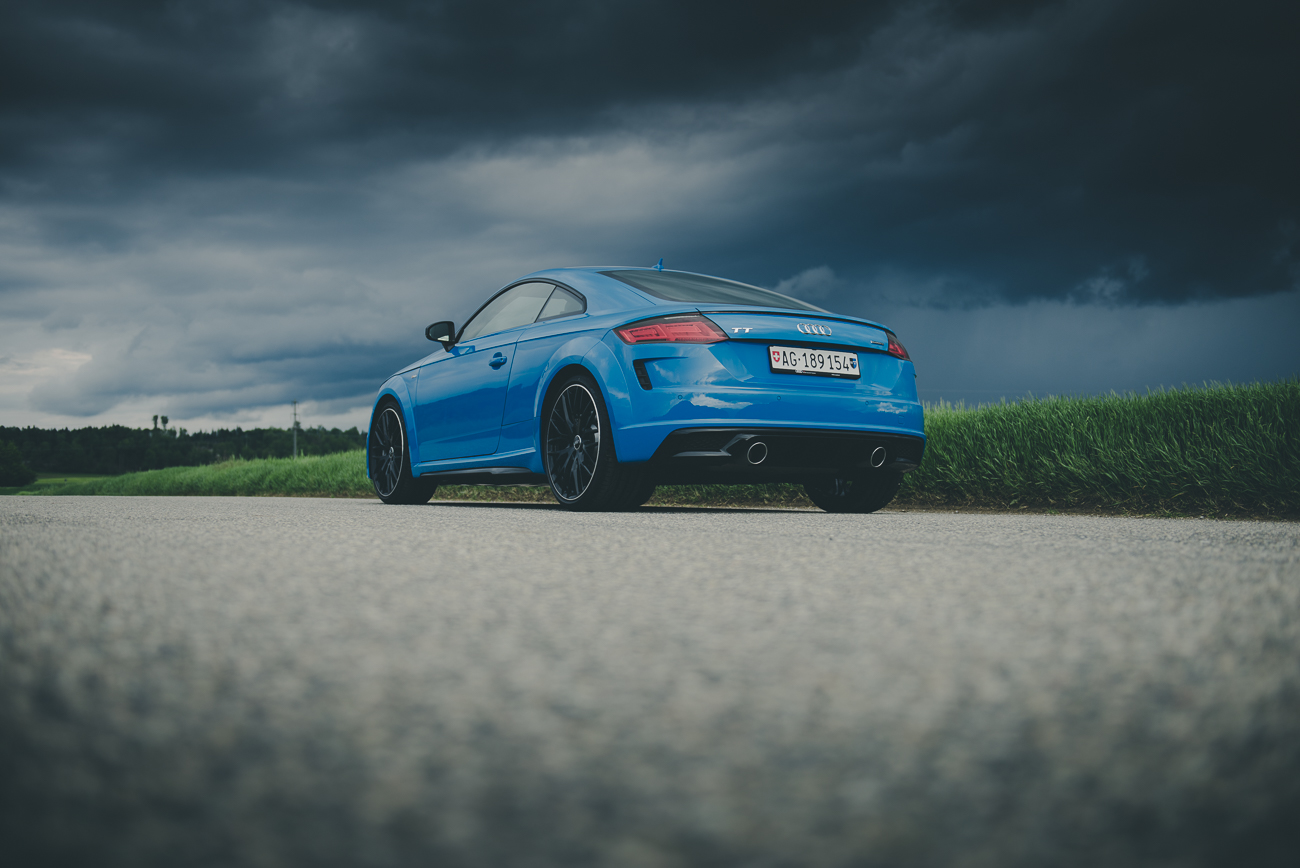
(801, 360)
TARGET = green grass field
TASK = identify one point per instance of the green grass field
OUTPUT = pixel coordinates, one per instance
(1220, 450)
(339, 475)
(1215, 450)
(47, 481)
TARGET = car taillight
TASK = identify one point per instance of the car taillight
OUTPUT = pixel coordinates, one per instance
(688, 329)
(896, 349)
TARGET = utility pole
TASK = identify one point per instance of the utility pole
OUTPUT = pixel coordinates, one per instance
(295, 429)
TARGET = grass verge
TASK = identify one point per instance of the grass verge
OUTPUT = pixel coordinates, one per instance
(1221, 450)
(343, 475)
(339, 475)
(46, 481)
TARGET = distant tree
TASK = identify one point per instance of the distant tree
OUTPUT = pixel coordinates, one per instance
(155, 421)
(118, 449)
(13, 471)
(164, 421)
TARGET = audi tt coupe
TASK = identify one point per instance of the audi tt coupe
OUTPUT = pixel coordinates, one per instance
(606, 382)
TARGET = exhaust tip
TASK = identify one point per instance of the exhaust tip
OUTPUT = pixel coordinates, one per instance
(878, 457)
(757, 452)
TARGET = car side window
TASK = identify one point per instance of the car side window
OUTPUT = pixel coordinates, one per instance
(517, 306)
(561, 303)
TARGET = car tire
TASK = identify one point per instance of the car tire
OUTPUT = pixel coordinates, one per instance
(641, 492)
(578, 452)
(390, 463)
(860, 494)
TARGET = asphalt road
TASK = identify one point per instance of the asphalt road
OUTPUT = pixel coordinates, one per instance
(249, 682)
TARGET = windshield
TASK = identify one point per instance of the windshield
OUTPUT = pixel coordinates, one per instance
(698, 289)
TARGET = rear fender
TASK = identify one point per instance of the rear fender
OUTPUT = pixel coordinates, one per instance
(608, 370)
(567, 354)
(593, 356)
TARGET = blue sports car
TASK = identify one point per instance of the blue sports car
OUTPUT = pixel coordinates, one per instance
(606, 382)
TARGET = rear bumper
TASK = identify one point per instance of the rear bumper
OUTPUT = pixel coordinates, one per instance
(748, 455)
(730, 385)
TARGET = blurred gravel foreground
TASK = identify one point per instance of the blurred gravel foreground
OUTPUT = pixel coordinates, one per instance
(293, 682)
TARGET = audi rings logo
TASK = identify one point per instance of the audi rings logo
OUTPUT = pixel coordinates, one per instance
(811, 329)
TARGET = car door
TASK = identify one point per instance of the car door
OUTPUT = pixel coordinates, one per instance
(460, 396)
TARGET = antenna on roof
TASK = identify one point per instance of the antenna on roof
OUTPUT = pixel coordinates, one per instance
(660, 266)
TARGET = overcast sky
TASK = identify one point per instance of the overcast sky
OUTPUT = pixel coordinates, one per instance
(209, 209)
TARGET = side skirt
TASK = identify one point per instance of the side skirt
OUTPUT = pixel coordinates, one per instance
(486, 476)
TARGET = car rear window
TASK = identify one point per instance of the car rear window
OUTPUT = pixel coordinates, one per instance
(698, 289)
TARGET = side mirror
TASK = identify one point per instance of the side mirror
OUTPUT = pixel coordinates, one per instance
(443, 332)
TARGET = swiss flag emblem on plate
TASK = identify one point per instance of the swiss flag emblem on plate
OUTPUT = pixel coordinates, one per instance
(776, 356)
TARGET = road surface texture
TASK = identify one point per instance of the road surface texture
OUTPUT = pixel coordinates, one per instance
(293, 682)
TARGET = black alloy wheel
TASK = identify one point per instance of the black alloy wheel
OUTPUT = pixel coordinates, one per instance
(865, 493)
(578, 451)
(389, 465)
(572, 442)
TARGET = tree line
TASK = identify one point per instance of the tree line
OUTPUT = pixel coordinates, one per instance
(115, 449)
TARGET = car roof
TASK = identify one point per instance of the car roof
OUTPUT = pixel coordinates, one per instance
(613, 294)
(594, 277)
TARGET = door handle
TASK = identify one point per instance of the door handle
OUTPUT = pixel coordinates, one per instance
(497, 360)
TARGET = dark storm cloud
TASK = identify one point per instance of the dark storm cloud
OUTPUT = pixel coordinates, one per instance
(1146, 150)
(1142, 150)
(232, 203)
(211, 84)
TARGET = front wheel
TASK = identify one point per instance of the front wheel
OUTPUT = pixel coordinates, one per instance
(389, 463)
(578, 449)
(866, 493)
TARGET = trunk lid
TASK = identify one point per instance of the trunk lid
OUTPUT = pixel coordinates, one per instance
(799, 329)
